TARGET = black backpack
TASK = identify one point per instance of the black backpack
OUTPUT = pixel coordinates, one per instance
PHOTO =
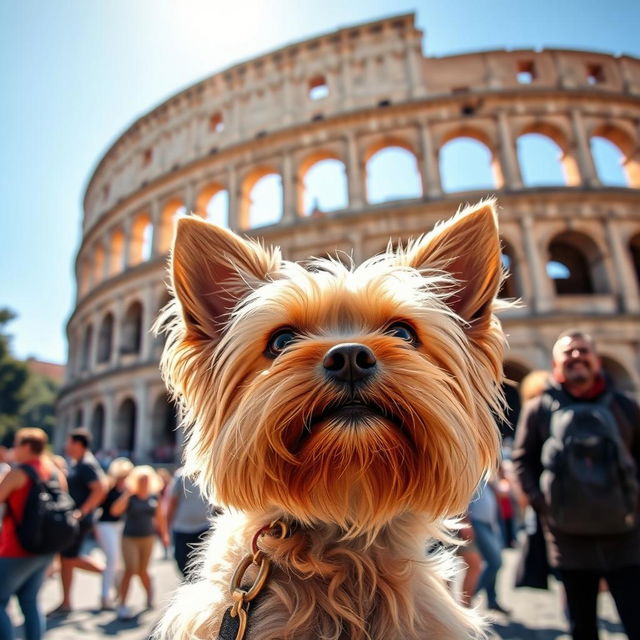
(589, 478)
(47, 524)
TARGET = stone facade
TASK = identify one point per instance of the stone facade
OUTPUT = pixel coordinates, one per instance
(346, 96)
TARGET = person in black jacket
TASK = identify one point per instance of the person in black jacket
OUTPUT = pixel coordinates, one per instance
(583, 558)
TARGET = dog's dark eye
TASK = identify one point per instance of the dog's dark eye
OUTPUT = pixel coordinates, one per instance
(403, 331)
(279, 341)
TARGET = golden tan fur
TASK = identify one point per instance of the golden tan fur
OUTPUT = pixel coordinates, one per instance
(364, 497)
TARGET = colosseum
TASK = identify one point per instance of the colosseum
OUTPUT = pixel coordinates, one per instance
(341, 101)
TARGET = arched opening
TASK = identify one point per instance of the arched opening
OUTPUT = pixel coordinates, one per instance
(540, 160)
(213, 205)
(318, 88)
(164, 422)
(173, 210)
(216, 123)
(617, 374)
(392, 174)
(262, 199)
(125, 427)
(85, 360)
(131, 338)
(634, 248)
(105, 338)
(511, 285)
(117, 260)
(141, 239)
(98, 264)
(324, 186)
(466, 165)
(97, 427)
(576, 266)
(608, 160)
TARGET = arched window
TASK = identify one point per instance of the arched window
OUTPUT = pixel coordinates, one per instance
(141, 239)
(465, 165)
(608, 160)
(634, 248)
(117, 262)
(262, 199)
(125, 427)
(576, 266)
(392, 174)
(318, 88)
(325, 187)
(173, 210)
(510, 288)
(213, 205)
(97, 427)
(540, 160)
(132, 329)
(163, 429)
(85, 361)
(105, 338)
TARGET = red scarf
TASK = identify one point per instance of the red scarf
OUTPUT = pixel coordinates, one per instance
(598, 387)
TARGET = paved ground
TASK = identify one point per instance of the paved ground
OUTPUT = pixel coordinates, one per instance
(536, 615)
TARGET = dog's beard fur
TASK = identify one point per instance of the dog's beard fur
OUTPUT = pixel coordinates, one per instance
(271, 435)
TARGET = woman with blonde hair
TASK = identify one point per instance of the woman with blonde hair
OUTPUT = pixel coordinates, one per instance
(141, 505)
(109, 527)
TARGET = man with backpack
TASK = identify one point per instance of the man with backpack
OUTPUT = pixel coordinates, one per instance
(24, 556)
(88, 488)
(577, 456)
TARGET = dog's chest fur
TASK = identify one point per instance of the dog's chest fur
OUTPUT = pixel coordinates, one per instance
(321, 587)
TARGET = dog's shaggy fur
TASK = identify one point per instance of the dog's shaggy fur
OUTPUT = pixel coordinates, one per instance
(270, 435)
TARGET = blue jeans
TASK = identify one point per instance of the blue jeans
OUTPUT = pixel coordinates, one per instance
(489, 542)
(23, 578)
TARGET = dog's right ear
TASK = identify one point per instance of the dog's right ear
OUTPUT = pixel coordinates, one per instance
(212, 269)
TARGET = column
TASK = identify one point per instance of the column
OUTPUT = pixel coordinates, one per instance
(413, 56)
(234, 199)
(289, 199)
(148, 316)
(142, 438)
(156, 221)
(354, 173)
(430, 165)
(508, 155)
(582, 150)
(117, 332)
(127, 229)
(93, 351)
(626, 282)
(106, 248)
(345, 76)
(189, 198)
(542, 293)
(108, 437)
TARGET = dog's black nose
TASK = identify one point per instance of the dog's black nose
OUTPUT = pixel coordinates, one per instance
(349, 363)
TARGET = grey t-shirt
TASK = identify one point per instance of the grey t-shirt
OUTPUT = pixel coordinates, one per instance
(193, 512)
(139, 517)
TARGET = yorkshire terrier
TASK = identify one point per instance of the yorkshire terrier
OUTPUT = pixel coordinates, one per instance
(343, 415)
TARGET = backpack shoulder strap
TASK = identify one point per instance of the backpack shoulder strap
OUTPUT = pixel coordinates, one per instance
(31, 473)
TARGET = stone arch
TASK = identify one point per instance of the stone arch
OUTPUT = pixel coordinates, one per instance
(620, 141)
(543, 156)
(322, 183)
(124, 436)
(392, 171)
(131, 331)
(164, 422)
(98, 263)
(512, 285)
(87, 341)
(96, 426)
(141, 246)
(634, 249)
(467, 162)
(576, 264)
(318, 88)
(212, 204)
(172, 210)
(618, 374)
(117, 259)
(265, 206)
(105, 339)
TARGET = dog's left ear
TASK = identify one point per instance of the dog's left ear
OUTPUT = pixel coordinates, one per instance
(212, 269)
(468, 247)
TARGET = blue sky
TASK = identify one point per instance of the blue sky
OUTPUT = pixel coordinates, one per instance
(75, 74)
